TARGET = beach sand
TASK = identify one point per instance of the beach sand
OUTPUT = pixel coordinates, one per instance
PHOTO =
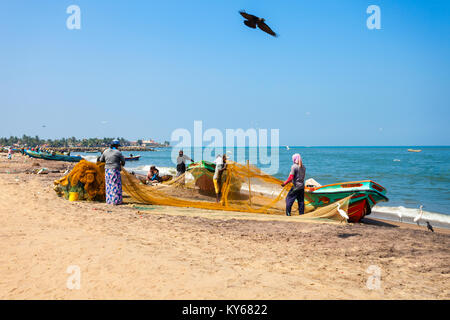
(155, 252)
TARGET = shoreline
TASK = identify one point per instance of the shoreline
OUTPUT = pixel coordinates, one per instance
(136, 251)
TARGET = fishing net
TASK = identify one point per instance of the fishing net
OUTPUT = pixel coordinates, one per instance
(243, 188)
(87, 179)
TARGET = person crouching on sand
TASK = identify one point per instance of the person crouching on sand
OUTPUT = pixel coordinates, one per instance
(297, 176)
(221, 165)
(153, 175)
(114, 160)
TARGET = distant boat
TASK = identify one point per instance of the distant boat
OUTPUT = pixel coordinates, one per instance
(287, 147)
(414, 150)
(132, 158)
(52, 156)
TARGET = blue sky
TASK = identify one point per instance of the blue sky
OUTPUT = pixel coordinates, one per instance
(141, 69)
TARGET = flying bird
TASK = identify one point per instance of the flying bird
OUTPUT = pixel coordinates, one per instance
(253, 21)
(429, 227)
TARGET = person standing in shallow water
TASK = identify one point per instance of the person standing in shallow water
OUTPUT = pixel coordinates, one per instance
(114, 160)
(297, 176)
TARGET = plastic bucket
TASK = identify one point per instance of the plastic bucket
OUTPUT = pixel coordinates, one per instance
(73, 196)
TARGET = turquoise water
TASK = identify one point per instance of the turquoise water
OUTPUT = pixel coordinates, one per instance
(411, 179)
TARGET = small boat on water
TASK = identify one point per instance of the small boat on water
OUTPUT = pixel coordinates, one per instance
(414, 150)
(132, 158)
(365, 194)
(52, 156)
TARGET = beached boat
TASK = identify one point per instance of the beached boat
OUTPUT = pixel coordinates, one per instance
(414, 150)
(54, 156)
(203, 173)
(132, 158)
(201, 167)
(365, 194)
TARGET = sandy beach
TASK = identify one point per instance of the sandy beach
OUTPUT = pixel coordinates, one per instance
(153, 252)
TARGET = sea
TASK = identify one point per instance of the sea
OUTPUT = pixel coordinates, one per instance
(412, 179)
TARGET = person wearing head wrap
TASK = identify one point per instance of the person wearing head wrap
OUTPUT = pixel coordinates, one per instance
(114, 160)
(297, 192)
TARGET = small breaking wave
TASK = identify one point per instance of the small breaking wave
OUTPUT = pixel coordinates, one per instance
(396, 212)
(145, 168)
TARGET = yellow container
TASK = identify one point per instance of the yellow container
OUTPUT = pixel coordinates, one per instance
(73, 196)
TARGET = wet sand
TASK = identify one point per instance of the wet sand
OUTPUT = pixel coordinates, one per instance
(155, 252)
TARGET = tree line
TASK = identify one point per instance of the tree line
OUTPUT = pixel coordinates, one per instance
(63, 142)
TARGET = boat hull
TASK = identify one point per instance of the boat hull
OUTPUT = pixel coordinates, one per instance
(56, 157)
(133, 158)
(364, 195)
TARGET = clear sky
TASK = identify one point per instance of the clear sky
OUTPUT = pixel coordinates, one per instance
(140, 69)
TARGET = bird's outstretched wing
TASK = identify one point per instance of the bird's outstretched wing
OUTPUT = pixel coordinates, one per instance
(248, 16)
(264, 27)
(250, 23)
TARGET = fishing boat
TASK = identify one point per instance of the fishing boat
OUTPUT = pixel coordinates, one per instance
(52, 156)
(203, 173)
(365, 194)
(199, 168)
(414, 150)
(132, 158)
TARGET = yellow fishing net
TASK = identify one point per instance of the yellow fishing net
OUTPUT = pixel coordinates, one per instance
(87, 179)
(243, 188)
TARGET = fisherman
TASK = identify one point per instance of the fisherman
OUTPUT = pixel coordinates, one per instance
(113, 181)
(297, 176)
(181, 163)
(221, 163)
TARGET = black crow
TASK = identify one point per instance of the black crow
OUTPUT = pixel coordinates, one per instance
(429, 227)
(253, 21)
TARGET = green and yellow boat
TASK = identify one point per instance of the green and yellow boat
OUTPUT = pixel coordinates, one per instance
(52, 156)
(364, 195)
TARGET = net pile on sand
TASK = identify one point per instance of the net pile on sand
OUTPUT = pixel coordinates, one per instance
(86, 179)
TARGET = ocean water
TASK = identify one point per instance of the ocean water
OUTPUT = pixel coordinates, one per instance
(411, 179)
